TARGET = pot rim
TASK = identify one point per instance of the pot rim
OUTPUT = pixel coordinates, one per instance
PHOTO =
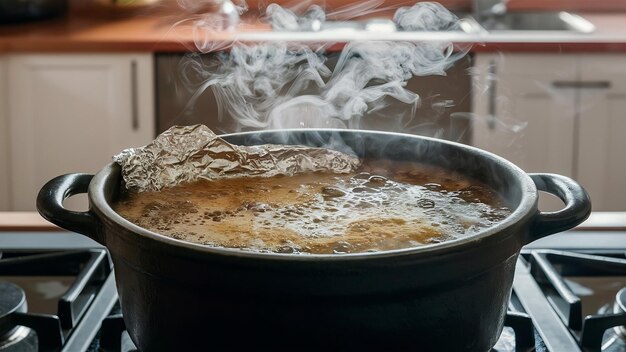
(524, 210)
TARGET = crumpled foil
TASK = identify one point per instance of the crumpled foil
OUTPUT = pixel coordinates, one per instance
(188, 153)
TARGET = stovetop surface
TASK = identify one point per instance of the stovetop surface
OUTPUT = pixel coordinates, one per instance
(557, 284)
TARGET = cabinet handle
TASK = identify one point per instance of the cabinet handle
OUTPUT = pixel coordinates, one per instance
(582, 84)
(134, 103)
(492, 95)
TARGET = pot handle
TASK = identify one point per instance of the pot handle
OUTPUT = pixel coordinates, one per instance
(50, 205)
(577, 205)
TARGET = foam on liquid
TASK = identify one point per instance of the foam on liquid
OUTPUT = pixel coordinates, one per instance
(387, 205)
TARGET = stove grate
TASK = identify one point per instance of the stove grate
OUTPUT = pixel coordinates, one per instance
(90, 267)
(550, 268)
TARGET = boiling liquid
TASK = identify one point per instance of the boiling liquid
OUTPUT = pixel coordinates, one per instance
(386, 205)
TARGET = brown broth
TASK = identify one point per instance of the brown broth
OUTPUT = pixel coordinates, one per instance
(386, 205)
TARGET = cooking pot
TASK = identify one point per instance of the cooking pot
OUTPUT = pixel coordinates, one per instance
(450, 296)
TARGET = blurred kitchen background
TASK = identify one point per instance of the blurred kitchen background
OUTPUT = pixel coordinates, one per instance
(544, 85)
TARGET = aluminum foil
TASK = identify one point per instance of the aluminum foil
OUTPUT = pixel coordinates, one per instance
(188, 153)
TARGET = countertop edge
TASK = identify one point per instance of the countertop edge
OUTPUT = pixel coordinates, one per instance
(164, 34)
(25, 221)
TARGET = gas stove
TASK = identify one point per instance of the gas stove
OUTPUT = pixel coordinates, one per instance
(57, 293)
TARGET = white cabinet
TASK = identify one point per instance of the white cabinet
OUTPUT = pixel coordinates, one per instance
(601, 158)
(520, 115)
(573, 105)
(71, 113)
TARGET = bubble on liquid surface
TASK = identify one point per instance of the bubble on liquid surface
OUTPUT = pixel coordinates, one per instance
(332, 192)
(376, 181)
(425, 203)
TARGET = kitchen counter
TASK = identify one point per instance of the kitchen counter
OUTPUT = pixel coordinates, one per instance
(159, 34)
(32, 221)
(75, 34)
(24, 221)
(142, 33)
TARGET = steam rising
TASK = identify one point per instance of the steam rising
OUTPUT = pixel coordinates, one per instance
(288, 85)
(425, 16)
(287, 20)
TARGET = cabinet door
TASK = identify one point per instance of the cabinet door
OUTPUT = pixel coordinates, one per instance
(519, 112)
(601, 159)
(71, 113)
(523, 114)
(4, 139)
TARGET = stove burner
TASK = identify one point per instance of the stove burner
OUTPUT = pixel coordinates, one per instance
(13, 336)
(620, 301)
(50, 332)
(619, 308)
(12, 299)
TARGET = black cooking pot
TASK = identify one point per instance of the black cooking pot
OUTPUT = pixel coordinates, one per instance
(450, 296)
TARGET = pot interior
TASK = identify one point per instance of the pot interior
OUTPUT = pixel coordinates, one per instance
(499, 174)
